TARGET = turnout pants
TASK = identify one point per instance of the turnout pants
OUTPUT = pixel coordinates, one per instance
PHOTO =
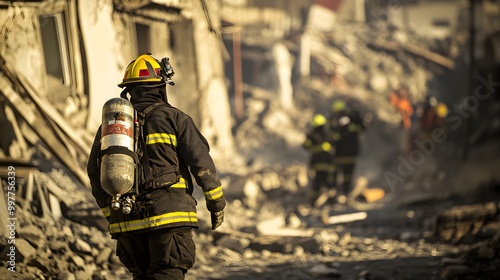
(165, 253)
(344, 175)
(323, 180)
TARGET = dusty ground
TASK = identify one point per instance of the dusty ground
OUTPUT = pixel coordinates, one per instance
(280, 237)
(400, 238)
(394, 242)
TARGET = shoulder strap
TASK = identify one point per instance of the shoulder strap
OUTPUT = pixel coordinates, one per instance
(144, 162)
(148, 177)
(148, 111)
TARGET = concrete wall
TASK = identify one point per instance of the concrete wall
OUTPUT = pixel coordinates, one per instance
(324, 13)
(105, 58)
(103, 43)
(430, 19)
(185, 93)
(22, 48)
(213, 99)
(20, 44)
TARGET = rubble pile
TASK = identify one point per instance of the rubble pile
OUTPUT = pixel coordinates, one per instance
(65, 242)
(477, 225)
(64, 249)
(368, 64)
(360, 64)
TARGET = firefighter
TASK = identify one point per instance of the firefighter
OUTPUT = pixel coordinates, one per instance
(320, 163)
(400, 100)
(346, 124)
(433, 114)
(155, 240)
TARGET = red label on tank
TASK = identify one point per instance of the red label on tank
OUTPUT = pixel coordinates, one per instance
(117, 128)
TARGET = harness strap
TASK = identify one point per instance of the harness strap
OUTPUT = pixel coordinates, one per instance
(119, 150)
(145, 164)
(148, 176)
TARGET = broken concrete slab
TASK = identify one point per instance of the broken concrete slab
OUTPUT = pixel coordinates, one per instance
(80, 246)
(23, 251)
(103, 256)
(322, 270)
(33, 234)
(237, 244)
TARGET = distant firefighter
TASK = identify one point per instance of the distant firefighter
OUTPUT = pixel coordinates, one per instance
(346, 123)
(322, 151)
(400, 100)
(433, 114)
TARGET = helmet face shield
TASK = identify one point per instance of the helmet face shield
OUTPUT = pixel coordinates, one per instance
(145, 69)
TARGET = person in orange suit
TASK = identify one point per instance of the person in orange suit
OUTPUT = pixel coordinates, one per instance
(399, 99)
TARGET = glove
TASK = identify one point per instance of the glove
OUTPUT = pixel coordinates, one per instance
(217, 219)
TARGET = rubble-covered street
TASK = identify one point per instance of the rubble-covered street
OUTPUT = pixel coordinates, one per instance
(428, 211)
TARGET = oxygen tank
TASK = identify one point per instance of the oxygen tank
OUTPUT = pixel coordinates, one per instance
(117, 148)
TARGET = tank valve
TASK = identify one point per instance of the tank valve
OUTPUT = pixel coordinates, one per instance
(115, 203)
(127, 205)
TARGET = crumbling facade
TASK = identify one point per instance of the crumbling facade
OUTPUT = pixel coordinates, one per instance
(61, 60)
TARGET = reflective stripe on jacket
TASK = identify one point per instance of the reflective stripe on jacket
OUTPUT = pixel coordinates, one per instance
(318, 144)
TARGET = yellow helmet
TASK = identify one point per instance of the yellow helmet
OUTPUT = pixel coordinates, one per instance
(143, 69)
(338, 105)
(318, 120)
(442, 110)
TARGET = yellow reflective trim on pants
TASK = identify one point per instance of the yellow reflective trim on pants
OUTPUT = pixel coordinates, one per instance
(324, 167)
(106, 211)
(352, 128)
(180, 185)
(155, 221)
(214, 194)
(161, 138)
(344, 160)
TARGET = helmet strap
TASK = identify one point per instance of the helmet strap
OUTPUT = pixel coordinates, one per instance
(125, 94)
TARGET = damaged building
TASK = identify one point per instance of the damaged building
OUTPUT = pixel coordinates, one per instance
(61, 60)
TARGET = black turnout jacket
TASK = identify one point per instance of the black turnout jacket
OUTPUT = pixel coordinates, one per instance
(176, 149)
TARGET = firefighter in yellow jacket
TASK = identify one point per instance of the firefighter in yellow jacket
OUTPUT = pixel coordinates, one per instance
(155, 240)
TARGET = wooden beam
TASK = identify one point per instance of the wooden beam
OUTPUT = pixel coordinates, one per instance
(43, 199)
(17, 131)
(3, 215)
(35, 140)
(29, 187)
(22, 166)
(415, 51)
(429, 56)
